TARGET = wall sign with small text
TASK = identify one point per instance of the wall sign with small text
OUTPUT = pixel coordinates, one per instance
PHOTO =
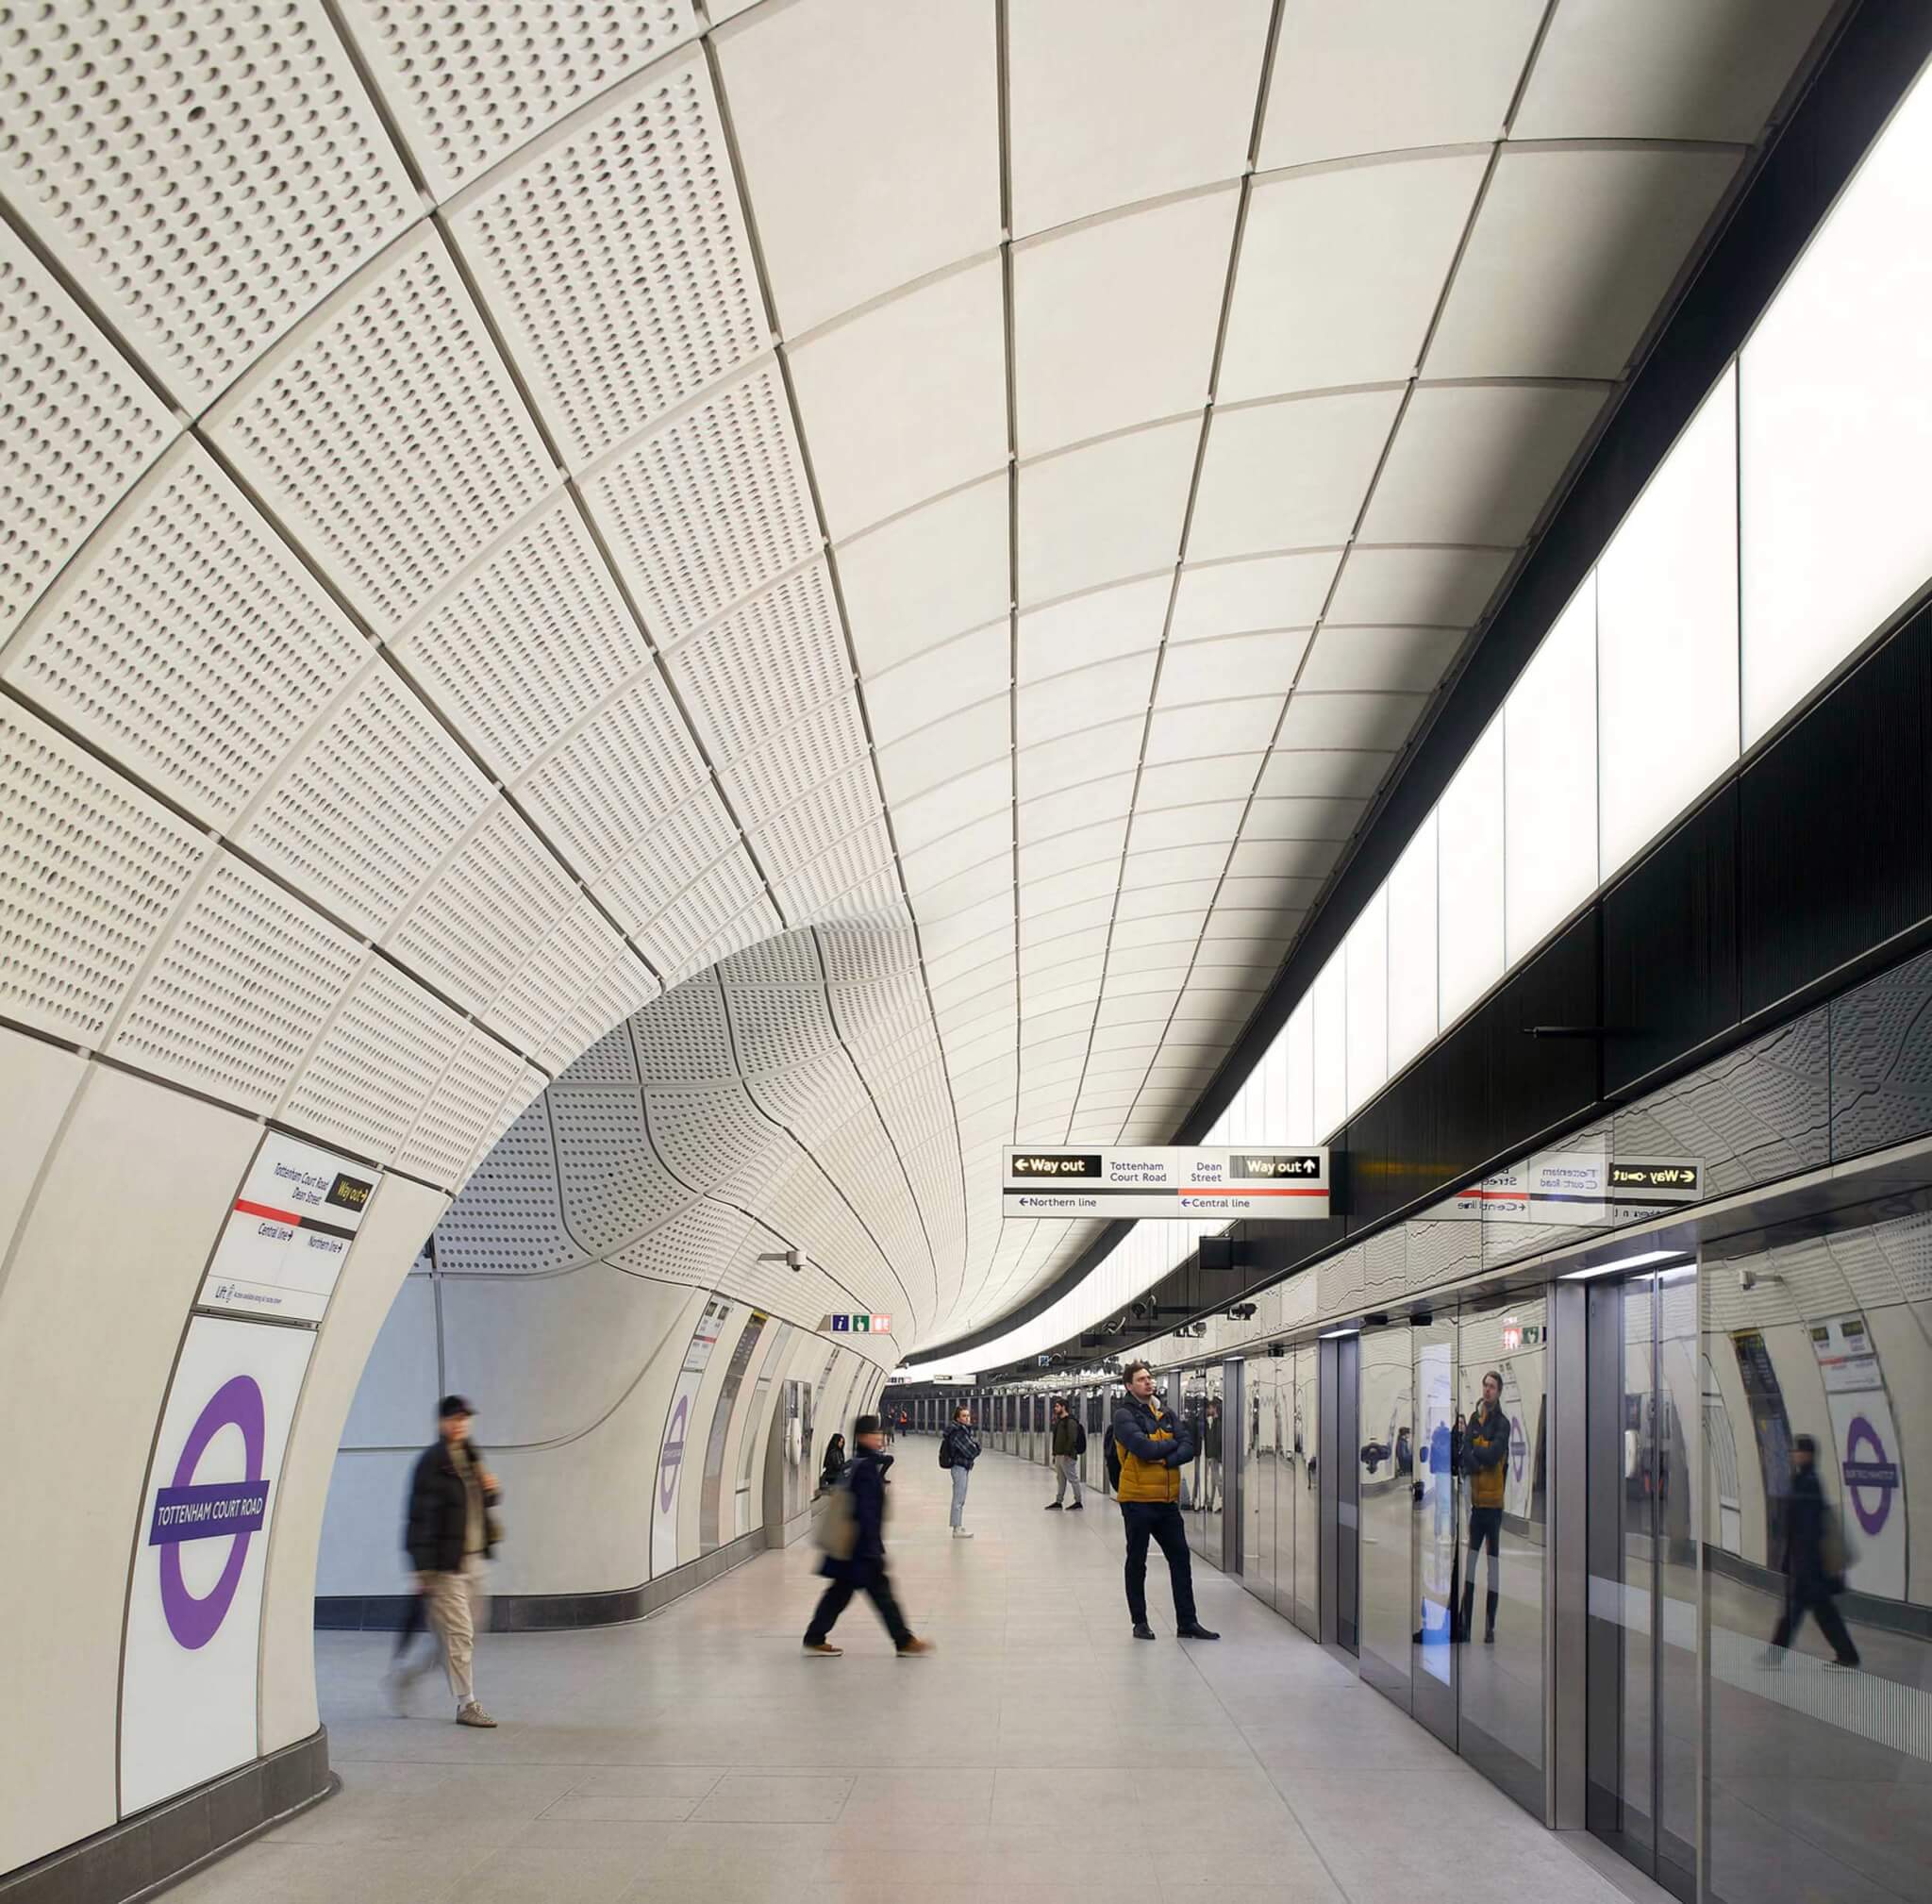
(289, 1234)
(1215, 1186)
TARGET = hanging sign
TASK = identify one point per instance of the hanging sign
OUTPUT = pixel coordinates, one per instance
(1213, 1186)
(287, 1235)
(1582, 1187)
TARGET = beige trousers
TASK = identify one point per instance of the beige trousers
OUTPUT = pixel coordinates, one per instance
(453, 1613)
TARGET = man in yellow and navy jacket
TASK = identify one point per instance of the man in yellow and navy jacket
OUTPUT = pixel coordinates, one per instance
(1152, 1446)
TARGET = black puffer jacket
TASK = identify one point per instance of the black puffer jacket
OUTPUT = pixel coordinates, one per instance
(439, 1511)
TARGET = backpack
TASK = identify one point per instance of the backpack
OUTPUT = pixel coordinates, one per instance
(1113, 1459)
(838, 1527)
(946, 1449)
(1079, 1436)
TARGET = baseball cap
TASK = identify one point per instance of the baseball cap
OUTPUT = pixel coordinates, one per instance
(452, 1404)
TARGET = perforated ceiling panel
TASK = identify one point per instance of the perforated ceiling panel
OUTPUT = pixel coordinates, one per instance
(516, 507)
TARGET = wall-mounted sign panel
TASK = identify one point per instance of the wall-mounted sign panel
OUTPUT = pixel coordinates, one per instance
(288, 1236)
(678, 1430)
(1583, 1187)
(187, 1679)
(854, 1325)
(1205, 1186)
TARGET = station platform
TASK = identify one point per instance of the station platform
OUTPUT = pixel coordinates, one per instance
(1040, 1753)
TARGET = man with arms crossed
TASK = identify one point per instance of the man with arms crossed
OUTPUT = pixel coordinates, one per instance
(1152, 1447)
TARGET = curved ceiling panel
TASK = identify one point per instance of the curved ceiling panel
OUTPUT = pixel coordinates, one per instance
(911, 552)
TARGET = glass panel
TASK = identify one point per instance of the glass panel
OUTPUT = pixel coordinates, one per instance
(1819, 1774)
(1386, 1491)
(1261, 1448)
(1306, 1512)
(1503, 1361)
(1437, 1446)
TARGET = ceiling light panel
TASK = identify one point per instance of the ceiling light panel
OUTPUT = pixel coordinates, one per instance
(186, 641)
(1245, 597)
(1379, 658)
(1476, 463)
(1105, 511)
(99, 426)
(1424, 587)
(526, 640)
(524, 67)
(908, 398)
(1115, 320)
(1378, 76)
(614, 256)
(1091, 754)
(816, 90)
(927, 576)
(1651, 69)
(710, 507)
(387, 436)
(1610, 228)
(146, 176)
(1113, 101)
(1289, 475)
(1341, 273)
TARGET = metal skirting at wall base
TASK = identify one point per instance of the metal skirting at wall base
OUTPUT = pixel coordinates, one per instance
(559, 1612)
(141, 1856)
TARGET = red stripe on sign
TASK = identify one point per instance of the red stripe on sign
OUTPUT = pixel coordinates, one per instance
(274, 1215)
(1246, 1190)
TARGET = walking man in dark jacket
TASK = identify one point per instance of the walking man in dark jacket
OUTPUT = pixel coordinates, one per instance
(1485, 1460)
(863, 1569)
(959, 1450)
(1812, 1578)
(1067, 1440)
(449, 1536)
(1153, 1447)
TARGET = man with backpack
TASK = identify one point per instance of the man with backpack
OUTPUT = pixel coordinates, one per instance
(854, 1536)
(1147, 1449)
(958, 1451)
(1069, 1444)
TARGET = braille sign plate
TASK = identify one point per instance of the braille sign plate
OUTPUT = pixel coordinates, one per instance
(1211, 1186)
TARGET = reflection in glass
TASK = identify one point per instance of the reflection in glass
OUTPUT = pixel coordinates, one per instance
(1503, 1360)
(1386, 1491)
(1305, 1449)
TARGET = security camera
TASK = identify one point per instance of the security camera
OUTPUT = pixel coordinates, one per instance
(1749, 1278)
(1242, 1311)
(794, 1259)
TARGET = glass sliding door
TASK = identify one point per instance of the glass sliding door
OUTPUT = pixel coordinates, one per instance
(1502, 1378)
(1260, 1446)
(1385, 1483)
(1644, 1405)
(1437, 1530)
(1304, 1515)
(1209, 1499)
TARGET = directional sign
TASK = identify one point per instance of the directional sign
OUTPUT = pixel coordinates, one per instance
(1212, 1186)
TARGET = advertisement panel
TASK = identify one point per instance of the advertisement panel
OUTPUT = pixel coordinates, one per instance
(187, 1675)
(678, 1434)
(1871, 1470)
(1205, 1186)
(288, 1236)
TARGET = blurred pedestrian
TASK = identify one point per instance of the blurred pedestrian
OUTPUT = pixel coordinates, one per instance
(855, 1561)
(1814, 1560)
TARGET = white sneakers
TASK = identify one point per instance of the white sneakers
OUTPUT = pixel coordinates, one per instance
(960, 1534)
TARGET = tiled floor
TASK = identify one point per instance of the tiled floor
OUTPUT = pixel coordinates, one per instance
(1041, 1754)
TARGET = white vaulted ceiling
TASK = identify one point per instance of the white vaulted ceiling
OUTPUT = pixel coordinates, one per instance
(503, 509)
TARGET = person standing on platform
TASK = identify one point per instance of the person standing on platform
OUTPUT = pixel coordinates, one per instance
(855, 1561)
(1151, 1447)
(958, 1451)
(1069, 1441)
(1210, 1450)
(1814, 1562)
(1486, 1461)
(451, 1531)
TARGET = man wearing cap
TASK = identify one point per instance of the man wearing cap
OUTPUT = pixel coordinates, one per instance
(449, 1535)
